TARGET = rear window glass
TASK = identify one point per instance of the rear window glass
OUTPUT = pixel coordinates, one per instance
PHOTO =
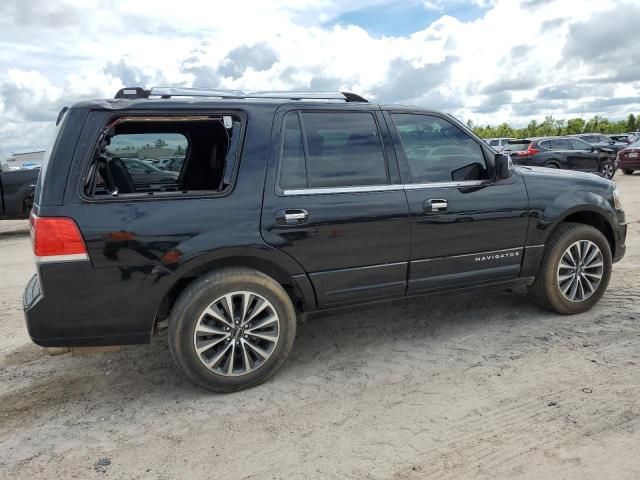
(338, 150)
(516, 147)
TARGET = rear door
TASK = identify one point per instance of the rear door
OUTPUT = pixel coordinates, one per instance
(561, 153)
(467, 229)
(334, 202)
(583, 156)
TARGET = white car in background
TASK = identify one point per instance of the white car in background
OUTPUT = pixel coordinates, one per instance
(498, 143)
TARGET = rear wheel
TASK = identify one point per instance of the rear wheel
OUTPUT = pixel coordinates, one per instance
(607, 169)
(575, 270)
(628, 171)
(232, 329)
(551, 165)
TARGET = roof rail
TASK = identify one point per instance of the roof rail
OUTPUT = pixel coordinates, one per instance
(169, 92)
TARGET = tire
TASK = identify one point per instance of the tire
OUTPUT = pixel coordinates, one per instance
(546, 289)
(200, 310)
(607, 169)
(551, 165)
(628, 171)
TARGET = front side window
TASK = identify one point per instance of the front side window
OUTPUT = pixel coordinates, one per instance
(579, 144)
(327, 149)
(438, 151)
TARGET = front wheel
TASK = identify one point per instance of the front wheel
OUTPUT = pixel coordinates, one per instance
(607, 169)
(575, 270)
(232, 329)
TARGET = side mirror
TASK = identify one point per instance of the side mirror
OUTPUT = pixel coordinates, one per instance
(504, 166)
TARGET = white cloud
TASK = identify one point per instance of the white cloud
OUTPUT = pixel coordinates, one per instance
(521, 58)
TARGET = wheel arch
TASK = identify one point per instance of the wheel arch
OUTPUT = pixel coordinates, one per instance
(587, 215)
(274, 263)
(553, 161)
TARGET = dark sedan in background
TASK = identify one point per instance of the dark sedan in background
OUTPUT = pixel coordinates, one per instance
(569, 153)
(601, 141)
(629, 158)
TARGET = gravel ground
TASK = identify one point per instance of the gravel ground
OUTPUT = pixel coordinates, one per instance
(485, 386)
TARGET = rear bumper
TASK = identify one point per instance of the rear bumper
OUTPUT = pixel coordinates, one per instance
(64, 307)
(628, 163)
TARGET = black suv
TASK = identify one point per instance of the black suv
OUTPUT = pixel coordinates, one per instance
(569, 153)
(289, 203)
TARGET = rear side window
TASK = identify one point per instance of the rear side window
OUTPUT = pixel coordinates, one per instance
(560, 144)
(438, 151)
(165, 155)
(494, 143)
(327, 149)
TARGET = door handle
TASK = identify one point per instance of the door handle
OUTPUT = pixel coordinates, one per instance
(435, 205)
(292, 216)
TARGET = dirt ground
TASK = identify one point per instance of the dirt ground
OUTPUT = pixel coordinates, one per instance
(481, 387)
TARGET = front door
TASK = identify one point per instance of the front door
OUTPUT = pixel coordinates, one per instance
(583, 156)
(334, 203)
(467, 228)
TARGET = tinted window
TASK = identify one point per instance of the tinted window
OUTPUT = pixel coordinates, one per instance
(516, 146)
(560, 144)
(293, 172)
(494, 143)
(343, 149)
(438, 151)
(546, 144)
(577, 144)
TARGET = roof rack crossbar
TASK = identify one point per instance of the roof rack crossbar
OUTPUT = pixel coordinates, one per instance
(169, 92)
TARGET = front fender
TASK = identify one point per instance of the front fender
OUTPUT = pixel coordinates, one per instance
(566, 205)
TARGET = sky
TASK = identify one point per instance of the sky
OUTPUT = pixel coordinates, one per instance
(490, 61)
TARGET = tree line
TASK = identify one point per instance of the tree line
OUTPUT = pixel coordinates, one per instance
(552, 126)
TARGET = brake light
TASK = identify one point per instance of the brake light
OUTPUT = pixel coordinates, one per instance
(56, 239)
(531, 150)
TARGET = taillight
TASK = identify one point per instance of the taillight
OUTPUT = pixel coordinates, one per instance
(531, 150)
(56, 239)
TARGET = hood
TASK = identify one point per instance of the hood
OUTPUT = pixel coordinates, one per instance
(566, 178)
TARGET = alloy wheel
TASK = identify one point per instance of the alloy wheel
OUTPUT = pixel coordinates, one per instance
(237, 333)
(607, 171)
(580, 271)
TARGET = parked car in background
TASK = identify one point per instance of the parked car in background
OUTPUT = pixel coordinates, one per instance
(143, 173)
(628, 159)
(633, 137)
(568, 153)
(16, 190)
(498, 143)
(623, 139)
(603, 142)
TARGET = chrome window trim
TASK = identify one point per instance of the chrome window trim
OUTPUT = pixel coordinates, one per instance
(465, 183)
(329, 190)
(382, 188)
